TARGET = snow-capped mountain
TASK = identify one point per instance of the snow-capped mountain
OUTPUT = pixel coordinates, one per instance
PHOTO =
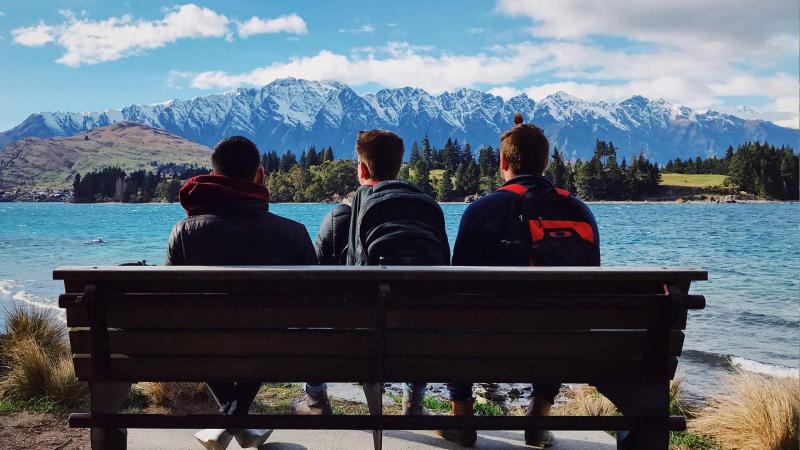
(293, 113)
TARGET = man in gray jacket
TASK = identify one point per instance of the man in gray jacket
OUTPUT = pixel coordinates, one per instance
(229, 223)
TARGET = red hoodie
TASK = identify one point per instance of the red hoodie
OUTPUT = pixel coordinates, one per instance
(202, 193)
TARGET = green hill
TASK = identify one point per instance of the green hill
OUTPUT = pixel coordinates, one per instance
(52, 163)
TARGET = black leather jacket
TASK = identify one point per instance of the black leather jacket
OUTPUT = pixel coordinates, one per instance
(332, 236)
(240, 233)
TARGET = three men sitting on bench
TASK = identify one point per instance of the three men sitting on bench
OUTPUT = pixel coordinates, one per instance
(392, 222)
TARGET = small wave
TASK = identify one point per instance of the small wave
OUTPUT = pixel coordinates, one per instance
(764, 369)
(39, 302)
(5, 287)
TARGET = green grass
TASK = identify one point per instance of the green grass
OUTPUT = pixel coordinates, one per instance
(689, 441)
(42, 405)
(685, 180)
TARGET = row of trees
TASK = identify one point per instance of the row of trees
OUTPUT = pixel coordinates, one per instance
(112, 184)
(453, 172)
(604, 178)
(308, 158)
(756, 168)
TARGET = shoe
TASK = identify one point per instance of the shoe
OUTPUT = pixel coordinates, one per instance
(214, 439)
(313, 406)
(250, 438)
(539, 438)
(464, 438)
(413, 405)
(539, 407)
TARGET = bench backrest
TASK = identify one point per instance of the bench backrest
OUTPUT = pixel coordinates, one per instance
(436, 324)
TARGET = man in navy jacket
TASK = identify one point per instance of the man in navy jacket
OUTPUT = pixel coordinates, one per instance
(526, 222)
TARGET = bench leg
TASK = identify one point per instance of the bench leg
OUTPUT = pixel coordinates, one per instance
(108, 398)
(650, 399)
(374, 394)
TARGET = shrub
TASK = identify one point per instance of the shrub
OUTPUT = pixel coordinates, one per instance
(757, 412)
(34, 374)
(36, 364)
(38, 324)
(585, 401)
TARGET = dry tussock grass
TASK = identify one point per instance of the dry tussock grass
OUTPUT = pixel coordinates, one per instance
(178, 398)
(585, 401)
(35, 359)
(757, 413)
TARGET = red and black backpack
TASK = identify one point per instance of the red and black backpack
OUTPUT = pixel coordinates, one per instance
(554, 229)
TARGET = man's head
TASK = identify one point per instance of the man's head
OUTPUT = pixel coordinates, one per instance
(524, 150)
(237, 157)
(380, 155)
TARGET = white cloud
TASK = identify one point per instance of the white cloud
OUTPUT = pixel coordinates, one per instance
(2, 14)
(88, 41)
(506, 92)
(476, 31)
(292, 23)
(35, 36)
(363, 29)
(396, 65)
(708, 26)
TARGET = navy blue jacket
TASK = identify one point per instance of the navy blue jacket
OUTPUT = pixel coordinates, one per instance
(489, 223)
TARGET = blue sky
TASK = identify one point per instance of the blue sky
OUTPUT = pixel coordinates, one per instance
(82, 55)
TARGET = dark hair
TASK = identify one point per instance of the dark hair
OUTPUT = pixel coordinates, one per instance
(382, 152)
(236, 157)
(525, 147)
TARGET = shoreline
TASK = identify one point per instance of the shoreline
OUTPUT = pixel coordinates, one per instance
(590, 202)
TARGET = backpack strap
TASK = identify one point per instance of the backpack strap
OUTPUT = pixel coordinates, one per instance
(515, 188)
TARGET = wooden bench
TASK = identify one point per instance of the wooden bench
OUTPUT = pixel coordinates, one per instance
(619, 329)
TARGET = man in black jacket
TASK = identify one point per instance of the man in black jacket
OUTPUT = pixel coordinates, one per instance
(356, 236)
(229, 223)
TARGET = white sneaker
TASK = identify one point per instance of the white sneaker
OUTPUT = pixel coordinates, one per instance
(252, 438)
(214, 439)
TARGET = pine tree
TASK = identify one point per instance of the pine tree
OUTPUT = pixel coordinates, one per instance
(312, 158)
(288, 160)
(556, 170)
(466, 154)
(445, 186)
(304, 159)
(449, 158)
(328, 156)
(415, 154)
(427, 152)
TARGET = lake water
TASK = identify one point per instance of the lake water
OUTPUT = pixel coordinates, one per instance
(751, 251)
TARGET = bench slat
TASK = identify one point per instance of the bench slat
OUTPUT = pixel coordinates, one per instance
(574, 344)
(338, 343)
(228, 317)
(198, 369)
(565, 317)
(601, 369)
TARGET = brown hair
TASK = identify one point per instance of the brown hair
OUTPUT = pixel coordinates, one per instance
(382, 152)
(525, 148)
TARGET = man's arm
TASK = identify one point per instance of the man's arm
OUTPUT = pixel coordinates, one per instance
(332, 235)
(308, 256)
(175, 254)
(467, 249)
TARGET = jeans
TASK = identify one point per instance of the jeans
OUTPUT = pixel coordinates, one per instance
(463, 391)
(234, 399)
(315, 389)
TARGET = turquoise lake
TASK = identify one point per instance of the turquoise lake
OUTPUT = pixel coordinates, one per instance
(751, 251)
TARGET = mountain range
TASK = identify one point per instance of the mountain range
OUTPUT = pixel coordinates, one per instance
(294, 114)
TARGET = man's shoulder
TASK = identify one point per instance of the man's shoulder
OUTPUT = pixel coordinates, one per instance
(495, 200)
(282, 221)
